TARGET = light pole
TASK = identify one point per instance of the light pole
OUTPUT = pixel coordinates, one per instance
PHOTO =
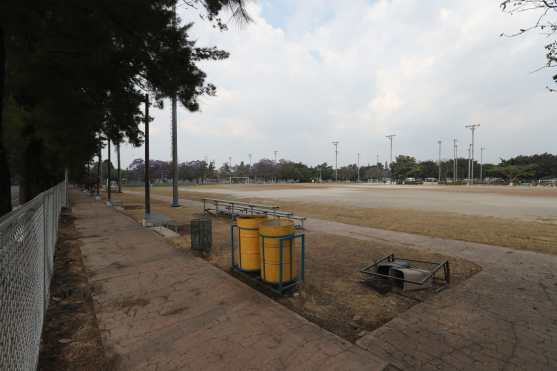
(99, 168)
(335, 143)
(358, 167)
(275, 152)
(439, 162)
(147, 215)
(472, 128)
(482, 149)
(109, 165)
(455, 160)
(469, 156)
(390, 137)
(175, 196)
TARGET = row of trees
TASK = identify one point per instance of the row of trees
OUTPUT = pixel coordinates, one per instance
(264, 170)
(524, 168)
(73, 73)
(527, 168)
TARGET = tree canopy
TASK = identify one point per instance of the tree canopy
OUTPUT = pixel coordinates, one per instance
(72, 73)
(546, 23)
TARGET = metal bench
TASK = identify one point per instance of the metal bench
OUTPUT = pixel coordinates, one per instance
(238, 208)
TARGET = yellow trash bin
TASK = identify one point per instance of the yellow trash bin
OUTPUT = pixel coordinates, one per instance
(270, 233)
(248, 247)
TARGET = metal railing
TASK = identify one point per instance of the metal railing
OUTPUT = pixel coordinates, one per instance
(28, 238)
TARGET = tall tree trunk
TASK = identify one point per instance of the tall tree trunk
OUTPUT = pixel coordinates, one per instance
(5, 181)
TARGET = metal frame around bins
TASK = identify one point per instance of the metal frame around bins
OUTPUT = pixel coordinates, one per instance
(281, 287)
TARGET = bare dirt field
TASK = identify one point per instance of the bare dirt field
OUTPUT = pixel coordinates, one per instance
(333, 295)
(516, 217)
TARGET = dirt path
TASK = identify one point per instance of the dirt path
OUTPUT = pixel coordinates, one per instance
(503, 318)
(71, 339)
(162, 308)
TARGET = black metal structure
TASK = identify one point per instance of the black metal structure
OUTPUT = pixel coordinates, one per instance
(431, 267)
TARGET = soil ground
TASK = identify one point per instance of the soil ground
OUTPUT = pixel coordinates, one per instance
(524, 233)
(71, 338)
(333, 295)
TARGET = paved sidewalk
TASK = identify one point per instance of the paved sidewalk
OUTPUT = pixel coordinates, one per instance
(163, 309)
(503, 318)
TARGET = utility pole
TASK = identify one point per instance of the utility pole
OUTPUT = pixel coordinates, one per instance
(472, 128)
(108, 166)
(230, 163)
(358, 167)
(439, 162)
(335, 143)
(118, 174)
(469, 156)
(455, 160)
(99, 168)
(249, 170)
(147, 177)
(175, 196)
(377, 163)
(482, 149)
(390, 137)
(275, 152)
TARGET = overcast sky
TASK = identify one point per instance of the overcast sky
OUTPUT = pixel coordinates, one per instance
(305, 73)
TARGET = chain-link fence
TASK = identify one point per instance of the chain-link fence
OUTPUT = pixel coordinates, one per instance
(27, 241)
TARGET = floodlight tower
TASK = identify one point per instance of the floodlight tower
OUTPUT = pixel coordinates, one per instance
(482, 149)
(175, 197)
(455, 160)
(335, 143)
(390, 137)
(472, 128)
(439, 161)
(358, 167)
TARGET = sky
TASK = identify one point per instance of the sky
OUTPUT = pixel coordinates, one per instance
(306, 73)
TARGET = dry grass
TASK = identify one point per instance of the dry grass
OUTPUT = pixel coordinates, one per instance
(333, 295)
(539, 236)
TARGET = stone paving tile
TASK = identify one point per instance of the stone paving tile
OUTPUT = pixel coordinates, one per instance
(503, 318)
(162, 309)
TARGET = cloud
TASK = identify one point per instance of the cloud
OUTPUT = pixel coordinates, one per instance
(309, 72)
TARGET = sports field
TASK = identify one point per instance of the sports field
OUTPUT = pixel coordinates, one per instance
(517, 217)
(333, 294)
